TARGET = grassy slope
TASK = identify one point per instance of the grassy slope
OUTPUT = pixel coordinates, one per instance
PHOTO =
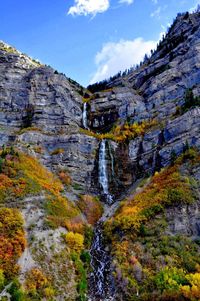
(147, 258)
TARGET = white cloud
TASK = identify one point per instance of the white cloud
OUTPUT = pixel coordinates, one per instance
(114, 57)
(126, 1)
(156, 13)
(87, 7)
(194, 8)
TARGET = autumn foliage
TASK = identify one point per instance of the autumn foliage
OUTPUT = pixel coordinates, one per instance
(12, 240)
(21, 175)
(65, 178)
(37, 285)
(74, 241)
(151, 260)
(166, 188)
(91, 208)
(124, 132)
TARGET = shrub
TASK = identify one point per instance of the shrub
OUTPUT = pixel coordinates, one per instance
(192, 290)
(16, 291)
(166, 188)
(2, 279)
(170, 278)
(122, 133)
(190, 100)
(75, 241)
(12, 240)
(35, 281)
(58, 151)
(91, 208)
(60, 211)
(65, 178)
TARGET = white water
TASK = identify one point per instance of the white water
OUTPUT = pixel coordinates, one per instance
(100, 280)
(85, 124)
(103, 172)
(112, 159)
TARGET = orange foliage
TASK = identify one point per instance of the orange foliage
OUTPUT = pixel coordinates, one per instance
(35, 280)
(12, 240)
(121, 133)
(166, 188)
(22, 175)
(60, 211)
(75, 224)
(91, 208)
(65, 178)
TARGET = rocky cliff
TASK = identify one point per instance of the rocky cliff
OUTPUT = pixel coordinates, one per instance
(50, 168)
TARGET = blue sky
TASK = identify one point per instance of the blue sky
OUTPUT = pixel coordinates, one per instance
(88, 40)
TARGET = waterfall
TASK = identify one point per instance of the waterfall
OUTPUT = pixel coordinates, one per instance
(101, 281)
(103, 172)
(85, 124)
(112, 159)
(102, 286)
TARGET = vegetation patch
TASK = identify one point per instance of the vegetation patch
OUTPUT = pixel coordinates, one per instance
(12, 243)
(91, 208)
(122, 133)
(150, 263)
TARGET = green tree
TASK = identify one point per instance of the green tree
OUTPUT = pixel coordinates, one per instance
(2, 279)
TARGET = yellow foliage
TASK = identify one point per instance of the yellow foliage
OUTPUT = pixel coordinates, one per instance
(35, 280)
(34, 171)
(23, 175)
(49, 292)
(121, 133)
(12, 240)
(58, 151)
(166, 188)
(75, 241)
(192, 291)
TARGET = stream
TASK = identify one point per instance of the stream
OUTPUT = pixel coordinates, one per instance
(101, 281)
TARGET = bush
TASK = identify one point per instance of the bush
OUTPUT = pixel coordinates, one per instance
(170, 279)
(190, 100)
(12, 240)
(16, 292)
(35, 281)
(74, 241)
(2, 279)
(192, 290)
(58, 151)
(91, 208)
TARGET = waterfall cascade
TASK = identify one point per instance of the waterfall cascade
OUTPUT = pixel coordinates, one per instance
(84, 116)
(101, 280)
(103, 172)
(101, 283)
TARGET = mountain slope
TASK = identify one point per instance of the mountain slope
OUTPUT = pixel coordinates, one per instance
(68, 156)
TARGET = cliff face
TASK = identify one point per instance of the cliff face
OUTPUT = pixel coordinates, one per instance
(155, 91)
(146, 123)
(49, 106)
(42, 108)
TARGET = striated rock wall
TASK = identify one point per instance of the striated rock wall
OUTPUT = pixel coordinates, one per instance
(41, 111)
(158, 86)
